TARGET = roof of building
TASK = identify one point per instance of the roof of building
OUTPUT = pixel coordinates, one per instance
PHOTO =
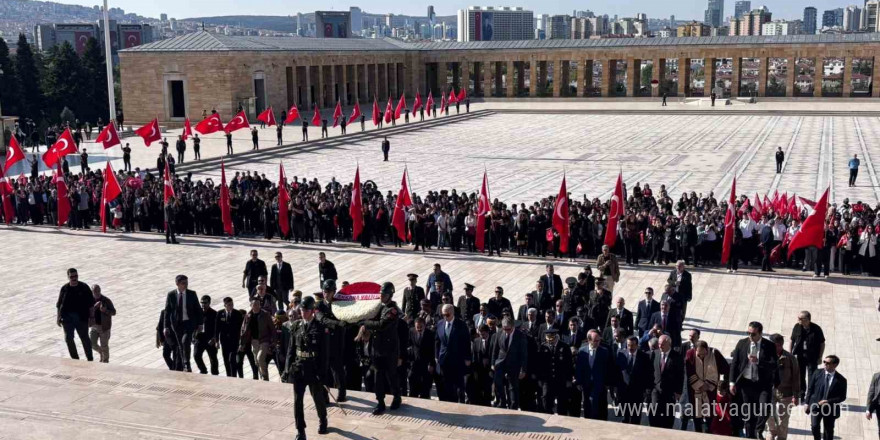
(203, 41)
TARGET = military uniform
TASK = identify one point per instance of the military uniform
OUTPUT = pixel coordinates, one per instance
(385, 349)
(556, 373)
(336, 351)
(306, 362)
(468, 307)
(412, 297)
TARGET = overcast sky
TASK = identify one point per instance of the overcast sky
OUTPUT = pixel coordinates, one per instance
(682, 9)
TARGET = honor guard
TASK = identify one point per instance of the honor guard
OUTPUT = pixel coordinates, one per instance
(386, 348)
(336, 331)
(556, 373)
(306, 363)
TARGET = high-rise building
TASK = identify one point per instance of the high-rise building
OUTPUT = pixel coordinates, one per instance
(642, 16)
(332, 24)
(357, 20)
(163, 17)
(869, 16)
(741, 8)
(693, 29)
(782, 27)
(714, 13)
(431, 14)
(832, 17)
(558, 27)
(672, 22)
(810, 20)
(495, 24)
(751, 23)
(852, 18)
(299, 25)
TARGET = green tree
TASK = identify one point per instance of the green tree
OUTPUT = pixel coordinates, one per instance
(647, 73)
(67, 116)
(64, 82)
(8, 89)
(95, 84)
(28, 73)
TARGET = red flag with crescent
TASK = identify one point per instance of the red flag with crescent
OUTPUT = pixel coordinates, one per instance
(430, 102)
(169, 186)
(150, 133)
(401, 105)
(812, 231)
(560, 217)
(355, 113)
(14, 154)
(211, 124)
(356, 209)
(729, 224)
(398, 218)
(389, 111)
(483, 209)
(283, 202)
(63, 201)
(337, 114)
(376, 117)
(316, 118)
(111, 191)
(615, 211)
(237, 122)
(6, 191)
(62, 147)
(225, 211)
(292, 114)
(417, 104)
(187, 129)
(462, 94)
(108, 136)
(267, 116)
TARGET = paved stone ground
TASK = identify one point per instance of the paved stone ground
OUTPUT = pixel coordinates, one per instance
(137, 270)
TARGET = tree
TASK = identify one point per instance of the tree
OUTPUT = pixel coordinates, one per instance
(28, 73)
(95, 83)
(67, 117)
(647, 73)
(64, 81)
(8, 89)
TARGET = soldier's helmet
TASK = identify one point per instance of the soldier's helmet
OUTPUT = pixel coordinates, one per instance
(387, 288)
(308, 303)
(329, 285)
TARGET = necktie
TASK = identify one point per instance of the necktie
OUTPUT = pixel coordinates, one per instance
(662, 363)
(631, 362)
(664, 323)
(827, 385)
(179, 307)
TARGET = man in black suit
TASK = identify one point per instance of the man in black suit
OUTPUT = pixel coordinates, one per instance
(872, 407)
(574, 336)
(780, 158)
(206, 339)
(562, 315)
(281, 281)
(669, 322)
(510, 358)
(498, 303)
(452, 349)
(624, 316)
(681, 280)
(478, 382)
(543, 299)
(421, 359)
(668, 383)
(468, 305)
(826, 392)
(635, 379)
(228, 331)
(552, 282)
(595, 373)
(326, 270)
(549, 322)
(767, 246)
(412, 297)
(531, 327)
(386, 148)
(253, 269)
(647, 308)
(523, 312)
(182, 317)
(753, 372)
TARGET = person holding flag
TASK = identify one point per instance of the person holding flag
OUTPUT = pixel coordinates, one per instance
(812, 233)
(418, 107)
(398, 218)
(429, 104)
(110, 192)
(484, 207)
(730, 243)
(225, 212)
(283, 204)
(356, 211)
(170, 208)
(561, 221)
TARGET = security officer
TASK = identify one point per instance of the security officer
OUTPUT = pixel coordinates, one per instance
(468, 306)
(386, 348)
(412, 299)
(556, 374)
(306, 362)
(336, 330)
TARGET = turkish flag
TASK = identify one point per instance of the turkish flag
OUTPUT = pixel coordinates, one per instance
(792, 206)
(775, 201)
(767, 205)
(268, 116)
(442, 101)
(812, 232)
(283, 202)
(376, 119)
(111, 191)
(225, 212)
(108, 136)
(355, 113)
(389, 111)
(6, 191)
(744, 209)
(483, 209)
(430, 102)
(452, 98)
(63, 201)
(560, 217)
(316, 119)
(417, 104)
(337, 113)
(238, 122)
(783, 204)
(169, 186)
(150, 132)
(462, 94)
(398, 218)
(187, 129)
(211, 124)
(401, 105)
(615, 211)
(356, 209)
(759, 208)
(62, 147)
(292, 114)
(729, 224)
(14, 154)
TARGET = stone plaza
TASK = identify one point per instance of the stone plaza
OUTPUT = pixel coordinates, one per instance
(525, 151)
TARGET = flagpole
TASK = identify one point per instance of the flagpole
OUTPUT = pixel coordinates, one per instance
(108, 62)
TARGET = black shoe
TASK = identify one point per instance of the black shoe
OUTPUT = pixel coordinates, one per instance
(341, 398)
(379, 410)
(300, 434)
(322, 429)
(395, 403)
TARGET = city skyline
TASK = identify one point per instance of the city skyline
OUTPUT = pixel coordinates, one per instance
(694, 10)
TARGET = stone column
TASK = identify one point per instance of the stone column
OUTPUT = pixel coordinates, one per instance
(565, 89)
(375, 90)
(632, 76)
(308, 90)
(344, 88)
(790, 76)
(818, 75)
(709, 75)
(295, 86)
(441, 77)
(847, 76)
(608, 68)
(520, 68)
(395, 92)
(557, 76)
(684, 76)
(736, 77)
(763, 69)
(509, 83)
(334, 96)
(488, 69)
(875, 77)
(466, 76)
(588, 76)
(658, 73)
(533, 77)
(580, 88)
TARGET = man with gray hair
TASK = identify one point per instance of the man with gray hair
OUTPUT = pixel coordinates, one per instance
(100, 320)
(509, 363)
(608, 267)
(786, 393)
(453, 354)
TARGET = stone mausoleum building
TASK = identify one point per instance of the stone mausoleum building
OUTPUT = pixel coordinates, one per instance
(181, 77)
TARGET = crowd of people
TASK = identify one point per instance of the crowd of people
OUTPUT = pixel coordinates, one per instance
(571, 349)
(655, 229)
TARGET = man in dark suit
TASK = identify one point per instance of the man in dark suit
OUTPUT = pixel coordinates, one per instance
(767, 246)
(780, 158)
(647, 308)
(183, 316)
(452, 349)
(206, 339)
(523, 313)
(386, 148)
(228, 331)
(681, 280)
(624, 316)
(872, 407)
(543, 299)
(531, 327)
(478, 382)
(668, 383)
(575, 336)
(281, 281)
(326, 270)
(253, 269)
(753, 372)
(412, 297)
(826, 392)
(594, 373)
(669, 322)
(552, 282)
(549, 322)
(635, 379)
(498, 303)
(421, 359)
(510, 358)
(468, 305)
